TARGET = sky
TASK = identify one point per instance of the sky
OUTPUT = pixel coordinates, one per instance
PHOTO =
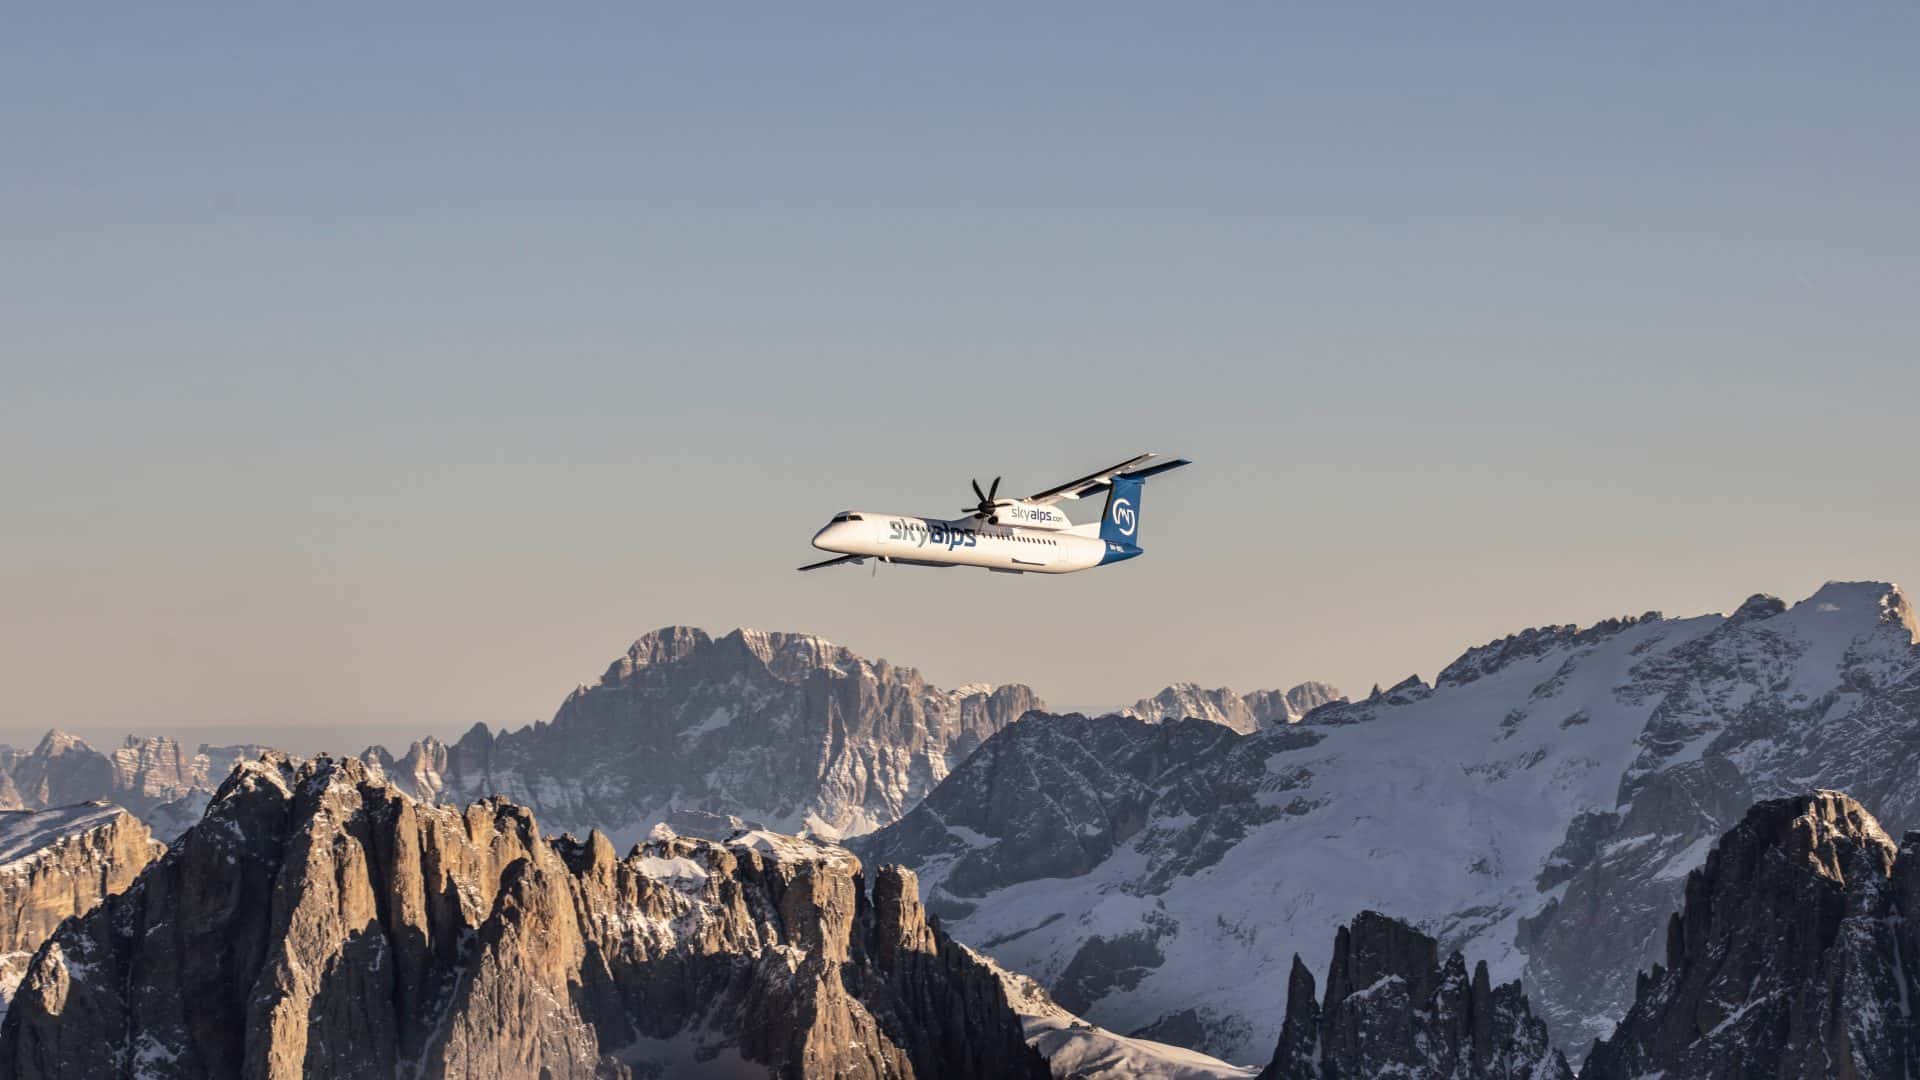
(368, 374)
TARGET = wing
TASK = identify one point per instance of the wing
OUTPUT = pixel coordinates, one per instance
(835, 562)
(1086, 485)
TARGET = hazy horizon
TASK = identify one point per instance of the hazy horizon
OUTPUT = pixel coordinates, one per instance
(392, 371)
(350, 737)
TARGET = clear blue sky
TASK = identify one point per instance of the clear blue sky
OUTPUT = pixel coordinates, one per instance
(396, 370)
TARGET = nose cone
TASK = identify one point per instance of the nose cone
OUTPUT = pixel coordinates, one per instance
(826, 538)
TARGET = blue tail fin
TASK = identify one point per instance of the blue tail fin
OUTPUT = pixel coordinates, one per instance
(1120, 524)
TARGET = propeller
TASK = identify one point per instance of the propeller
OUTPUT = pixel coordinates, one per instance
(985, 509)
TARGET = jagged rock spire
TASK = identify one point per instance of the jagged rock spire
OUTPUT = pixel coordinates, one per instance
(1794, 955)
(1392, 1009)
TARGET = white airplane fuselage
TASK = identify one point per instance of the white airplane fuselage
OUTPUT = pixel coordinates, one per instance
(970, 541)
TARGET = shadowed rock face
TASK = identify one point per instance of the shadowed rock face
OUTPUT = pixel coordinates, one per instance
(1392, 1009)
(1795, 955)
(782, 729)
(61, 862)
(318, 922)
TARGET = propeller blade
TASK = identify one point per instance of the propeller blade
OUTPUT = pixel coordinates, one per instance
(992, 491)
(976, 491)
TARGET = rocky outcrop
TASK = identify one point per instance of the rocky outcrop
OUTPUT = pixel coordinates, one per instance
(320, 922)
(1795, 955)
(57, 863)
(1244, 713)
(783, 730)
(1393, 1009)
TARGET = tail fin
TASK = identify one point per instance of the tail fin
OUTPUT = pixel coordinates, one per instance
(1120, 523)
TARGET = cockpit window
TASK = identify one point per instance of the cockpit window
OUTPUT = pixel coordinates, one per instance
(838, 518)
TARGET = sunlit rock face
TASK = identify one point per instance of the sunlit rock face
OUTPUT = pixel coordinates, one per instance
(57, 863)
(320, 922)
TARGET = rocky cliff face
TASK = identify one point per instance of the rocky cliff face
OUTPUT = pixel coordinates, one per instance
(1393, 1009)
(152, 777)
(1059, 796)
(56, 863)
(1538, 806)
(1244, 713)
(319, 922)
(1795, 955)
(783, 730)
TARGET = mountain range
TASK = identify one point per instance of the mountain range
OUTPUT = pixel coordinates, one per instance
(1140, 886)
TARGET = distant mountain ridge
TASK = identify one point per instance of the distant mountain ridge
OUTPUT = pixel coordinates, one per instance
(1245, 713)
(789, 731)
(152, 777)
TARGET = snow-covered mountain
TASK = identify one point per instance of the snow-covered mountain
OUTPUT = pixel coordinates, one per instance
(782, 730)
(1538, 806)
(1244, 713)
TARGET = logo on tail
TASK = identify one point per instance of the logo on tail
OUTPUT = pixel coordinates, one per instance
(1121, 523)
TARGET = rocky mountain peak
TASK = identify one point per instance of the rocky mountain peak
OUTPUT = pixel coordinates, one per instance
(784, 730)
(56, 742)
(1828, 830)
(1859, 609)
(1756, 607)
(1392, 1009)
(794, 656)
(1792, 955)
(666, 645)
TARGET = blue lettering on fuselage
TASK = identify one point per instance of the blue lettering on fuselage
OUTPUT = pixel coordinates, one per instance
(939, 533)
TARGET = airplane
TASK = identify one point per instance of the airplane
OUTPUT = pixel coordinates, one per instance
(1006, 536)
